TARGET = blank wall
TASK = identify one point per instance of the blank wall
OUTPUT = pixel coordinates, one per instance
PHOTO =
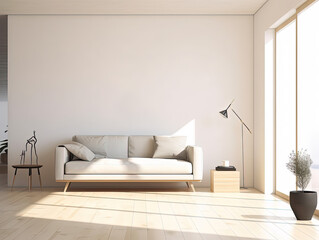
(130, 75)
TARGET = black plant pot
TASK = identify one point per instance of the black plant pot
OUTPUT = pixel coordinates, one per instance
(303, 204)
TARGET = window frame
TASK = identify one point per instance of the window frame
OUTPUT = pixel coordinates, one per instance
(281, 26)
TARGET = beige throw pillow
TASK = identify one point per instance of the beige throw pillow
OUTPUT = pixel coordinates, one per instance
(80, 151)
(97, 144)
(170, 147)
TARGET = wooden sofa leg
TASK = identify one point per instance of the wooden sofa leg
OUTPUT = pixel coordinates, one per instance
(191, 186)
(67, 185)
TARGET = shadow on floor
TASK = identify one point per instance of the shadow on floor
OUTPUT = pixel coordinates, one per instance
(267, 217)
(52, 215)
(43, 229)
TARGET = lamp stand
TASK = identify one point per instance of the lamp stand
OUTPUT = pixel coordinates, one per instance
(224, 113)
(243, 154)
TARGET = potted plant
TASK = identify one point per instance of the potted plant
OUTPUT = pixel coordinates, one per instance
(4, 150)
(303, 203)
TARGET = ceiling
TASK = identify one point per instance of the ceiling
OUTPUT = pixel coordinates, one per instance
(130, 6)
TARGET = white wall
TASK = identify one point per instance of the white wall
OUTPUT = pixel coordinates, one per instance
(130, 75)
(3, 77)
(272, 12)
(3, 119)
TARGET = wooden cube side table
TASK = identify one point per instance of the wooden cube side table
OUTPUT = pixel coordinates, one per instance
(224, 181)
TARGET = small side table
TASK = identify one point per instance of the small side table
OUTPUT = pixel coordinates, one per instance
(30, 167)
(224, 181)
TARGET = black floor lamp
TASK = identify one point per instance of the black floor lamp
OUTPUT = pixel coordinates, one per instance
(224, 113)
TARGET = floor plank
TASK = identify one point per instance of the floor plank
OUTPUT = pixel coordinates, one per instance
(148, 214)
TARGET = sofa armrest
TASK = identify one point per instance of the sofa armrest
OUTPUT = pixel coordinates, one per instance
(62, 155)
(195, 156)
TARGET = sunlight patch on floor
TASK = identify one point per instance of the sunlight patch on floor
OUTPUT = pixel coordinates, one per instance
(149, 214)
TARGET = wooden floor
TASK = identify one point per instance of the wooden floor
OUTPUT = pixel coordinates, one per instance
(156, 214)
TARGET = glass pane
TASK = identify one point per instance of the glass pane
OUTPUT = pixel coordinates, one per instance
(308, 87)
(285, 105)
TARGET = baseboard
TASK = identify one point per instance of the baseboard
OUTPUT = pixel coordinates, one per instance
(282, 195)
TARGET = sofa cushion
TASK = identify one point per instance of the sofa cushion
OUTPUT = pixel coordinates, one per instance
(141, 146)
(170, 147)
(129, 166)
(96, 144)
(79, 151)
(117, 146)
(107, 146)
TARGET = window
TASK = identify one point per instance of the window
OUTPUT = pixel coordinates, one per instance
(285, 105)
(297, 93)
(308, 87)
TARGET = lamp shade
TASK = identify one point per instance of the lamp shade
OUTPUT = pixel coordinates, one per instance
(224, 113)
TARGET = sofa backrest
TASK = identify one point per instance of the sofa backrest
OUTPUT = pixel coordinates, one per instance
(105, 146)
(118, 146)
(141, 146)
(112, 146)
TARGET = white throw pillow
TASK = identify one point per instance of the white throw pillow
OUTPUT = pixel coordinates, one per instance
(170, 147)
(80, 151)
